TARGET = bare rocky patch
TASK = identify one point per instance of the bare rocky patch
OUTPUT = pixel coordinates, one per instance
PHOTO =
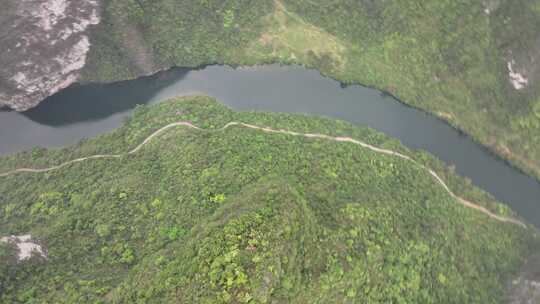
(523, 65)
(518, 80)
(44, 44)
(525, 288)
(25, 247)
(523, 62)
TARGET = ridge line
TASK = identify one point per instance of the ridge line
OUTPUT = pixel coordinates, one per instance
(439, 180)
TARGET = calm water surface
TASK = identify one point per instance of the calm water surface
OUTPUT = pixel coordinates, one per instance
(85, 111)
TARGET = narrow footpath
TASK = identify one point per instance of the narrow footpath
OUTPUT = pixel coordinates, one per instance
(437, 178)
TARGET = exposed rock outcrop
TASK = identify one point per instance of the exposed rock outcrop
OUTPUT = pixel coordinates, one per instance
(523, 64)
(26, 248)
(525, 288)
(44, 44)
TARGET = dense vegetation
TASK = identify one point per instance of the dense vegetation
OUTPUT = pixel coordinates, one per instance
(242, 216)
(445, 56)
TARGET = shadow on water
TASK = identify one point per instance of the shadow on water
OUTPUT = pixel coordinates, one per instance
(90, 110)
(92, 102)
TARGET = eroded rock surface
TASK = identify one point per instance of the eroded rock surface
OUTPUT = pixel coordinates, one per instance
(524, 65)
(26, 248)
(525, 288)
(44, 44)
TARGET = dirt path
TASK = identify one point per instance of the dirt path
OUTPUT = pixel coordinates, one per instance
(437, 178)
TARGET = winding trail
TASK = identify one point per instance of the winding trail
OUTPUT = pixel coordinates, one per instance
(439, 180)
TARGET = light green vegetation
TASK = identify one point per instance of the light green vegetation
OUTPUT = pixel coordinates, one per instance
(444, 56)
(243, 216)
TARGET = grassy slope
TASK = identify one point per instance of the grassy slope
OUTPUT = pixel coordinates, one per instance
(447, 57)
(229, 216)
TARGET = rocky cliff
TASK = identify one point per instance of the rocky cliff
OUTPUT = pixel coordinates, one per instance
(44, 44)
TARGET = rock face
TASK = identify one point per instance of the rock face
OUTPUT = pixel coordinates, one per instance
(44, 44)
(525, 288)
(523, 65)
(25, 247)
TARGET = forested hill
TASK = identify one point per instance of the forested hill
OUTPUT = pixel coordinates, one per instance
(475, 64)
(242, 215)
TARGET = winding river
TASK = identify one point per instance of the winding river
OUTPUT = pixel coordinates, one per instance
(85, 111)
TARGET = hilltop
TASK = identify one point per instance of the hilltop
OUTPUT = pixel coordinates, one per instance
(238, 215)
(474, 64)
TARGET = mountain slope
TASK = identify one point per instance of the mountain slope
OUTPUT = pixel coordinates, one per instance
(472, 63)
(239, 215)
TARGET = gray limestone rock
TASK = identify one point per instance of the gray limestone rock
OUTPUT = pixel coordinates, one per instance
(43, 46)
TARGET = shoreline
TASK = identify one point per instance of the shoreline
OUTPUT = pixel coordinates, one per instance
(490, 149)
(362, 144)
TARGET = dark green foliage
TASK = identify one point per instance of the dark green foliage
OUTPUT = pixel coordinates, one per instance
(447, 57)
(241, 216)
(176, 33)
(444, 56)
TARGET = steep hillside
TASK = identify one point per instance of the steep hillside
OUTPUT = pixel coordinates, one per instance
(472, 63)
(43, 47)
(257, 211)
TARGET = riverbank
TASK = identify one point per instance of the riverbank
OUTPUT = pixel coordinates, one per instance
(236, 197)
(461, 78)
(287, 132)
(87, 111)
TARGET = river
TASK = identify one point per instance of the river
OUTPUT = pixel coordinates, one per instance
(88, 110)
